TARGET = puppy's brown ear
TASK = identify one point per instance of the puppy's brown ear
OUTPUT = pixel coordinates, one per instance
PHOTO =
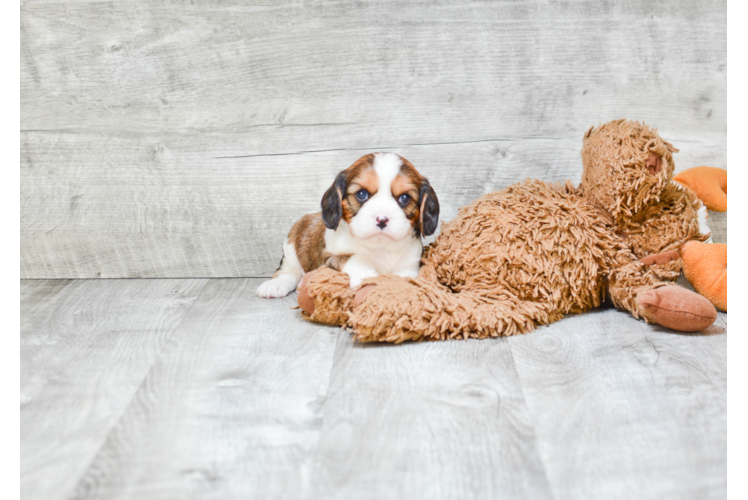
(429, 208)
(332, 202)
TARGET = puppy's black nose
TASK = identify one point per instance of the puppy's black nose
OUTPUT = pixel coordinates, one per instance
(382, 222)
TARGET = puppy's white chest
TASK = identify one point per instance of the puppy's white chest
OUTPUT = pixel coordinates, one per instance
(387, 260)
(382, 256)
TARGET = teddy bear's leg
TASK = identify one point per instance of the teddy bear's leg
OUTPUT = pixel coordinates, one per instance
(394, 309)
(636, 288)
(705, 267)
(709, 184)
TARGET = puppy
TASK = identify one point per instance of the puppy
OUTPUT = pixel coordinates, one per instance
(371, 223)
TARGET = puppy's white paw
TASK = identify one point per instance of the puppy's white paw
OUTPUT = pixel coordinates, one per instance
(360, 275)
(408, 273)
(277, 287)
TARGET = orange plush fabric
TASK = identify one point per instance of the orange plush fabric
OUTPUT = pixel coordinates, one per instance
(705, 267)
(709, 184)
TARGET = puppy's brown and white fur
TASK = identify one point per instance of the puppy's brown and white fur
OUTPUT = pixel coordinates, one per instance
(371, 223)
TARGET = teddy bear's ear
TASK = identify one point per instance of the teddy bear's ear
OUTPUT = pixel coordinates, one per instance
(429, 208)
(332, 202)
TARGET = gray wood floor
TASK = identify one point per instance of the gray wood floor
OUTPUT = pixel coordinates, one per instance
(198, 389)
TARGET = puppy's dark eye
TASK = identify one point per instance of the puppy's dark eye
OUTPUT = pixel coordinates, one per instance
(403, 199)
(362, 195)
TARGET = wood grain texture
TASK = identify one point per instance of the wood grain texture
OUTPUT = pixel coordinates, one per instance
(718, 224)
(232, 409)
(176, 206)
(427, 420)
(243, 399)
(86, 347)
(736, 74)
(627, 410)
(173, 140)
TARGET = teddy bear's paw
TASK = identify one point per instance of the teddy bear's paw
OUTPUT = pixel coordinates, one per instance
(325, 296)
(306, 302)
(660, 258)
(677, 308)
(361, 294)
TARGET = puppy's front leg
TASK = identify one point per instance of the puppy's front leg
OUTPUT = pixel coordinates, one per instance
(407, 273)
(358, 269)
(410, 262)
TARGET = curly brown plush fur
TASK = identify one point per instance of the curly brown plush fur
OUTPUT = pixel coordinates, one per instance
(627, 173)
(530, 253)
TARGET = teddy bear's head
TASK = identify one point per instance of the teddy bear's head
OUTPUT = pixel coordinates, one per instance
(626, 166)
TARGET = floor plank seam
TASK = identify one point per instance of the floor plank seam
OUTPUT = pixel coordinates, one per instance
(315, 462)
(532, 423)
(156, 359)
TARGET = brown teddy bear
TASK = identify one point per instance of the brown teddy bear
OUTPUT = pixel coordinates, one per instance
(530, 253)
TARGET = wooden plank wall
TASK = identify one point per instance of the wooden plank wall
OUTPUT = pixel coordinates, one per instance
(174, 139)
(736, 77)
